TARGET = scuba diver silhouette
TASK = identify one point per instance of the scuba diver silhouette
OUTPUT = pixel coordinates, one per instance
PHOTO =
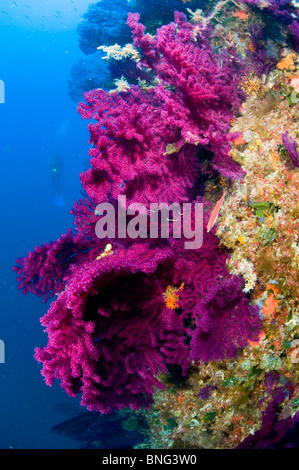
(56, 165)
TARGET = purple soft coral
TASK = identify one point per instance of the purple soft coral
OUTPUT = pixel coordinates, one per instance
(146, 144)
(225, 322)
(285, 11)
(275, 433)
(109, 333)
(294, 27)
(42, 272)
(110, 330)
(291, 147)
(206, 86)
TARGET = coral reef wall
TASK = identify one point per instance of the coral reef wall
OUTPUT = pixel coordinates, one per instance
(202, 339)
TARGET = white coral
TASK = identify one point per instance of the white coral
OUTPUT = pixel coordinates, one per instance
(118, 53)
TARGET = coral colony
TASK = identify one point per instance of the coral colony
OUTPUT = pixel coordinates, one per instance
(136, 314)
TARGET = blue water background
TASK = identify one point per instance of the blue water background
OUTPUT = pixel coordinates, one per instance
(36, 120)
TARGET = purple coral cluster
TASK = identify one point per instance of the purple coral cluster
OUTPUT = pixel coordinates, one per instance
(223, 314)
(257, 56)
(285, 11)
(192, 107)
(110, 332)
(275, 433)
(291, 146)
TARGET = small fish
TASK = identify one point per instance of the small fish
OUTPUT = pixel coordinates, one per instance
(215, 212)
(3, 11)
(26, 5)
(58, 12)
